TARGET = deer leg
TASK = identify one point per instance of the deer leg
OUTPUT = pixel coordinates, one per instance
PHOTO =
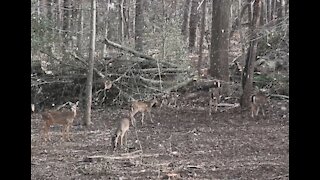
(149, 112)
(263, 113)
(142, 118)
(133, 120)
(64, 130)
(67, 132)
(252, 111)
(258, 108)
(45, 131)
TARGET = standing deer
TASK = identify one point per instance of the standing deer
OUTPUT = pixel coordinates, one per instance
(121, 133)
(57, 117)
(258, 101)
(142, 106)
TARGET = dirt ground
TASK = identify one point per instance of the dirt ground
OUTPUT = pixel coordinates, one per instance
(182, 143)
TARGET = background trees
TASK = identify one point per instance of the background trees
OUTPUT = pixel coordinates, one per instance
(148, 48)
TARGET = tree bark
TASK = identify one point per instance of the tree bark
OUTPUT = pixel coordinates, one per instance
(194, 18)
(87, 114)
(80, 28)
(247, 76)
(65, 27)
(139, 25)
(184, 27)
(219, 67)
(203, 18)
(121, 22)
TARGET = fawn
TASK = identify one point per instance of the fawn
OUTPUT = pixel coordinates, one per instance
(63, 118)
(214, 96)
(258, 101)
(142, 106)
(121, 132)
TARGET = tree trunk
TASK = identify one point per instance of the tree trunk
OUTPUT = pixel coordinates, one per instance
(65, 28)
(121, 22)
(87, 114)
(286, 7)
(194, 18)
(58, 19)
(139, 25)
(126, 19)
(203, 18)
(80, 28)
(247, 76)
(219, 67)
(269, 9)
(184, 28)
(279, 10)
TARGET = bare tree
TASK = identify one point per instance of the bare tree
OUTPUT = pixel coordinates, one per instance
(247, 76)
(184, 26)
(202, 31)
(194, 19)
(80, 27)
(220, 39)
(139, 25)
(87, 114)
(121, 21)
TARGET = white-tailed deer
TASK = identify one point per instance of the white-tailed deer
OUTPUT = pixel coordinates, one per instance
(57, 117)
(258, 101)
(121, 133)
(215, 97)
(142, 106)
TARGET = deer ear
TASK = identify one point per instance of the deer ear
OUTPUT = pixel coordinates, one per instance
(77, 103)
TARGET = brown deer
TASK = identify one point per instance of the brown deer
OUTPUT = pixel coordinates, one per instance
(142, 106)
(121, 133)
(215, 96)
(258, 101)
(57, 117)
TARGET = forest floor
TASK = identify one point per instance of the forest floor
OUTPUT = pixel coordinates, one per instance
(182, 143)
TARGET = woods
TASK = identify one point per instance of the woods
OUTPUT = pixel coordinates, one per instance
(142, 48)
(185, 89)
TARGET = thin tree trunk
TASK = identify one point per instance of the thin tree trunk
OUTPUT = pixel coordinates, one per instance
(65, 27)
(269, 9)
(106, 31)
(58, 19)
(184, 27)
(87, 114)
(247, 76)
(203, 26)
(121, 22)
(80, 28)
(139, 25)
(127, 18)
(279, 10)
(194, 18)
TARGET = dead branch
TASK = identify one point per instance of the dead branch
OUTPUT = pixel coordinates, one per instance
(122, 157)
(280, 96)
(136, 53)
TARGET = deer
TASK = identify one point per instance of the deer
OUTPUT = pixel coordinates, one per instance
(258, 101)
(142, 106)
(215, 97)
(64, 118)
(121, 133)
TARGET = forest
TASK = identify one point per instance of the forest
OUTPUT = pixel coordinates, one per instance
(146, 89)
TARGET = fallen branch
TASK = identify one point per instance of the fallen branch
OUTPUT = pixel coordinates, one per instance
(280, 96)
(134, 52)
(123, 157)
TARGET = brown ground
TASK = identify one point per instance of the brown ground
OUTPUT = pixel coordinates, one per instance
(184, 142)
